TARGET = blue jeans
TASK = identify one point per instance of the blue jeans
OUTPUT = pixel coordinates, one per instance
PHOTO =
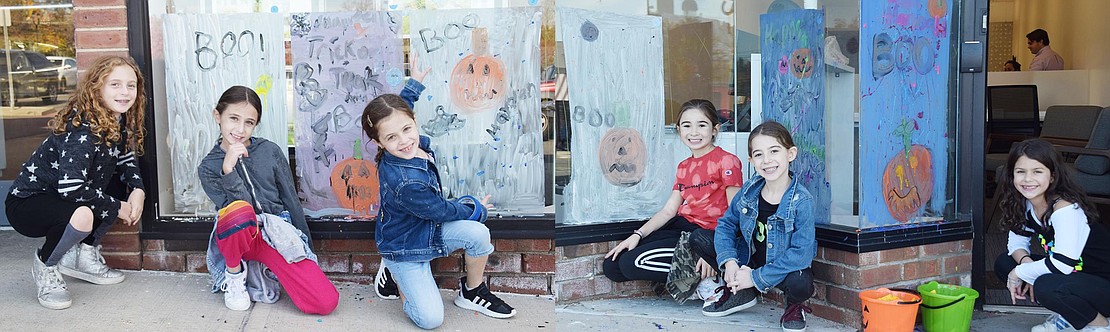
(423, 303)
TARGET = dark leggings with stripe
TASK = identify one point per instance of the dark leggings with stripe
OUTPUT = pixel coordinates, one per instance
(651, 259)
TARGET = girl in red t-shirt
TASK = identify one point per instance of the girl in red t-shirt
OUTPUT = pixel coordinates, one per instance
(704, 184)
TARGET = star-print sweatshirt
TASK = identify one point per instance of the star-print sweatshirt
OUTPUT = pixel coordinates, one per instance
(77, 166)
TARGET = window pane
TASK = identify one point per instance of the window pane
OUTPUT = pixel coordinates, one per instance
(172, 202)
(40, 86)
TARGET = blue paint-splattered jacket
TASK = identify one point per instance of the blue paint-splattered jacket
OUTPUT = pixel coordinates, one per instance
(791, 242)
(410, 225)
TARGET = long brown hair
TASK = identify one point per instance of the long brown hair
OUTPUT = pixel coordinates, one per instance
(380, 108)
(87, 105)
(1063, 185)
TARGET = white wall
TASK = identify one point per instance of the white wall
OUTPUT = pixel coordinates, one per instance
(1054, 87)
(1077, 30)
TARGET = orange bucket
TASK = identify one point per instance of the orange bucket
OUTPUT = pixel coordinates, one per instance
(889, 310)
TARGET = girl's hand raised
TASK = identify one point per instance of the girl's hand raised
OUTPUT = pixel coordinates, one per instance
(418, 74)
(486, 203)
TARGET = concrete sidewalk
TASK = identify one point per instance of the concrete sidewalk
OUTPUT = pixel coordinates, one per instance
(163, 301)
(642, 314)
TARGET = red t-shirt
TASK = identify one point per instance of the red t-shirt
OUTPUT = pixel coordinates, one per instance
(702, 181)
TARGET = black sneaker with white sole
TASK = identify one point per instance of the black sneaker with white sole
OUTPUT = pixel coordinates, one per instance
(481, 300)
(385, 286)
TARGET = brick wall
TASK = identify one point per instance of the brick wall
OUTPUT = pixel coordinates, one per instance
(100, 28)
(524, 266)
(840, 275)
(579, 275)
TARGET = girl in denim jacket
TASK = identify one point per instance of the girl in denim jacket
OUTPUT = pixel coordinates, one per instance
(418, 224)
(242, 169)
(766, 238)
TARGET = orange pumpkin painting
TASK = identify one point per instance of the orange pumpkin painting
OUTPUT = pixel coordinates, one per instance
(478, 80)
(355, 183)
(908, 182)
(801, 63)
(623, 156)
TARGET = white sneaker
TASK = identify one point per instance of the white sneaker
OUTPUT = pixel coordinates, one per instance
(85, 262)
(52, 292)
(707, 287)
(235, 290)
(709, 291)
(1054, 323)
(1095, 329)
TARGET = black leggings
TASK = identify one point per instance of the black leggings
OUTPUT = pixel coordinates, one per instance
(651, 259)
(46, 215)
(797, 287)
(1078, 296)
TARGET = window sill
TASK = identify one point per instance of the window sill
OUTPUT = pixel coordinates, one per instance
(829, 236)
(537, 227)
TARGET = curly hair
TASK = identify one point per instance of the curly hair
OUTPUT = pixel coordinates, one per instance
(87, 105)
(1063, 186)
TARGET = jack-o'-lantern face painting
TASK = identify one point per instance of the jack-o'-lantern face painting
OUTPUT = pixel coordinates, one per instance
(801, 63)
(623, 156)
(354, 181)
(908, 182)
(478, 80)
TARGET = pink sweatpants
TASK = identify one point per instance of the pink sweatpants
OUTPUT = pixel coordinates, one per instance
(306, 284)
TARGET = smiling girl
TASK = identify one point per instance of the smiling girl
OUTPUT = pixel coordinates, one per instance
(773, 216)
(1041, 199)
(239, 169)
(417, 223)
(62, 193)
(704, 184)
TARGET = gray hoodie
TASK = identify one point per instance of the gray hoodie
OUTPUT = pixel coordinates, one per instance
(270, 173)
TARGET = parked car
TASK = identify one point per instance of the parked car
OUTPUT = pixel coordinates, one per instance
(32, 74)
(68, 71)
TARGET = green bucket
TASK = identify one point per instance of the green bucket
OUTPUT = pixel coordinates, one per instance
(946, 308)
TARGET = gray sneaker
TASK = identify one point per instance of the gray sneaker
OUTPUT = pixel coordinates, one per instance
(730, 303)
(52, 292)
(794, 318)
(84, 262)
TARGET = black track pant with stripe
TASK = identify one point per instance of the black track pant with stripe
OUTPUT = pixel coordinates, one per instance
(651, 259)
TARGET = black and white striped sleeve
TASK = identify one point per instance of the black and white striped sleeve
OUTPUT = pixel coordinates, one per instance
(128, 167)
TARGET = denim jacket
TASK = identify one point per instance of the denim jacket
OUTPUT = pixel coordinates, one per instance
(791, 243)
(410, 224)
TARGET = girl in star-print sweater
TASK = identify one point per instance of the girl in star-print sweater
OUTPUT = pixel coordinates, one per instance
(62, 193)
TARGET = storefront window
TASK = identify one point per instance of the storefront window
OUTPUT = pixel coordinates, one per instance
(39, 69)
(319, 91)
(878, 151)
(633, 90)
